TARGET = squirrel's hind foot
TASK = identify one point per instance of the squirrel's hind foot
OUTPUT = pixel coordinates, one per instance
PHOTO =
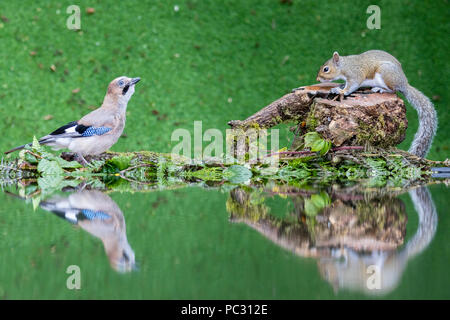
(380, 90)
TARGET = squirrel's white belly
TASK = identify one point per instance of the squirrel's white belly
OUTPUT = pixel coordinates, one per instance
(377, 82)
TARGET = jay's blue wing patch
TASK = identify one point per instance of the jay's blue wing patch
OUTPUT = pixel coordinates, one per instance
(95, 131)
(94, 215)
(74, 130)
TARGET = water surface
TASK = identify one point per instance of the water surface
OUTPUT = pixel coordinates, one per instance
(229, 242)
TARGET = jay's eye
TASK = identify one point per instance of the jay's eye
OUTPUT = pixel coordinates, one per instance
(121, 83)
(326, 69)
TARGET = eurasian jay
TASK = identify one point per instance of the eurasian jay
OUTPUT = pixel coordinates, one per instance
(96, 213)
(97, 131)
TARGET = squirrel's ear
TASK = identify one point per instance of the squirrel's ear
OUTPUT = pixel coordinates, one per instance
(336, 57)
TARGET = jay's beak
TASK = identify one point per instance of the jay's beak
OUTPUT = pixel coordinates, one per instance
(135, 80)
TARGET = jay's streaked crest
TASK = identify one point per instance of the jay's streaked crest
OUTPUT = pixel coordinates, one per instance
(97, 131)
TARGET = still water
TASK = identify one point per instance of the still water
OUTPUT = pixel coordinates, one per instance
(227, 242)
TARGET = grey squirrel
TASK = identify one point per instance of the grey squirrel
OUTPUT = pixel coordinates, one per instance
(383, 72)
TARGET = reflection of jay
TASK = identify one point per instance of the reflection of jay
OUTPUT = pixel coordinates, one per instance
(97, 131)
(98, 214)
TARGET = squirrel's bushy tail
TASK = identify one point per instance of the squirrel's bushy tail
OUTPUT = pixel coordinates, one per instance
(427, 121)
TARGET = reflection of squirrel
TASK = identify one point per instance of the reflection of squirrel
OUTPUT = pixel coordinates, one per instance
(382, 72)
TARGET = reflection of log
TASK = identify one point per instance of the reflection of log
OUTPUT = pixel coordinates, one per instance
(362, 225)
(358, 234)
(379, 224)
(364, 117)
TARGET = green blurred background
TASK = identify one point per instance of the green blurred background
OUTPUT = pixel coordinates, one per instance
(209, 60)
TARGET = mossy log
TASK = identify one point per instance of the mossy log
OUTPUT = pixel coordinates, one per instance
(363, 118)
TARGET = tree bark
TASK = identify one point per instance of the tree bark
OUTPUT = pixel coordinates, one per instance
(359, 119)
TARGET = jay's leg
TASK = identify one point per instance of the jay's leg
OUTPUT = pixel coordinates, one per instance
(81, 159)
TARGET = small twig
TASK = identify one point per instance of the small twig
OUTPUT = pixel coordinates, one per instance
(311, 152)
(31, 195)
(136, 166)
(32, 153)
(348, 148)
(290, 193)
(291, 152)
(131, 180)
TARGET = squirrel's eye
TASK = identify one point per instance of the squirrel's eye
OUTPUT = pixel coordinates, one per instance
(120, 83)
(326, 69)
